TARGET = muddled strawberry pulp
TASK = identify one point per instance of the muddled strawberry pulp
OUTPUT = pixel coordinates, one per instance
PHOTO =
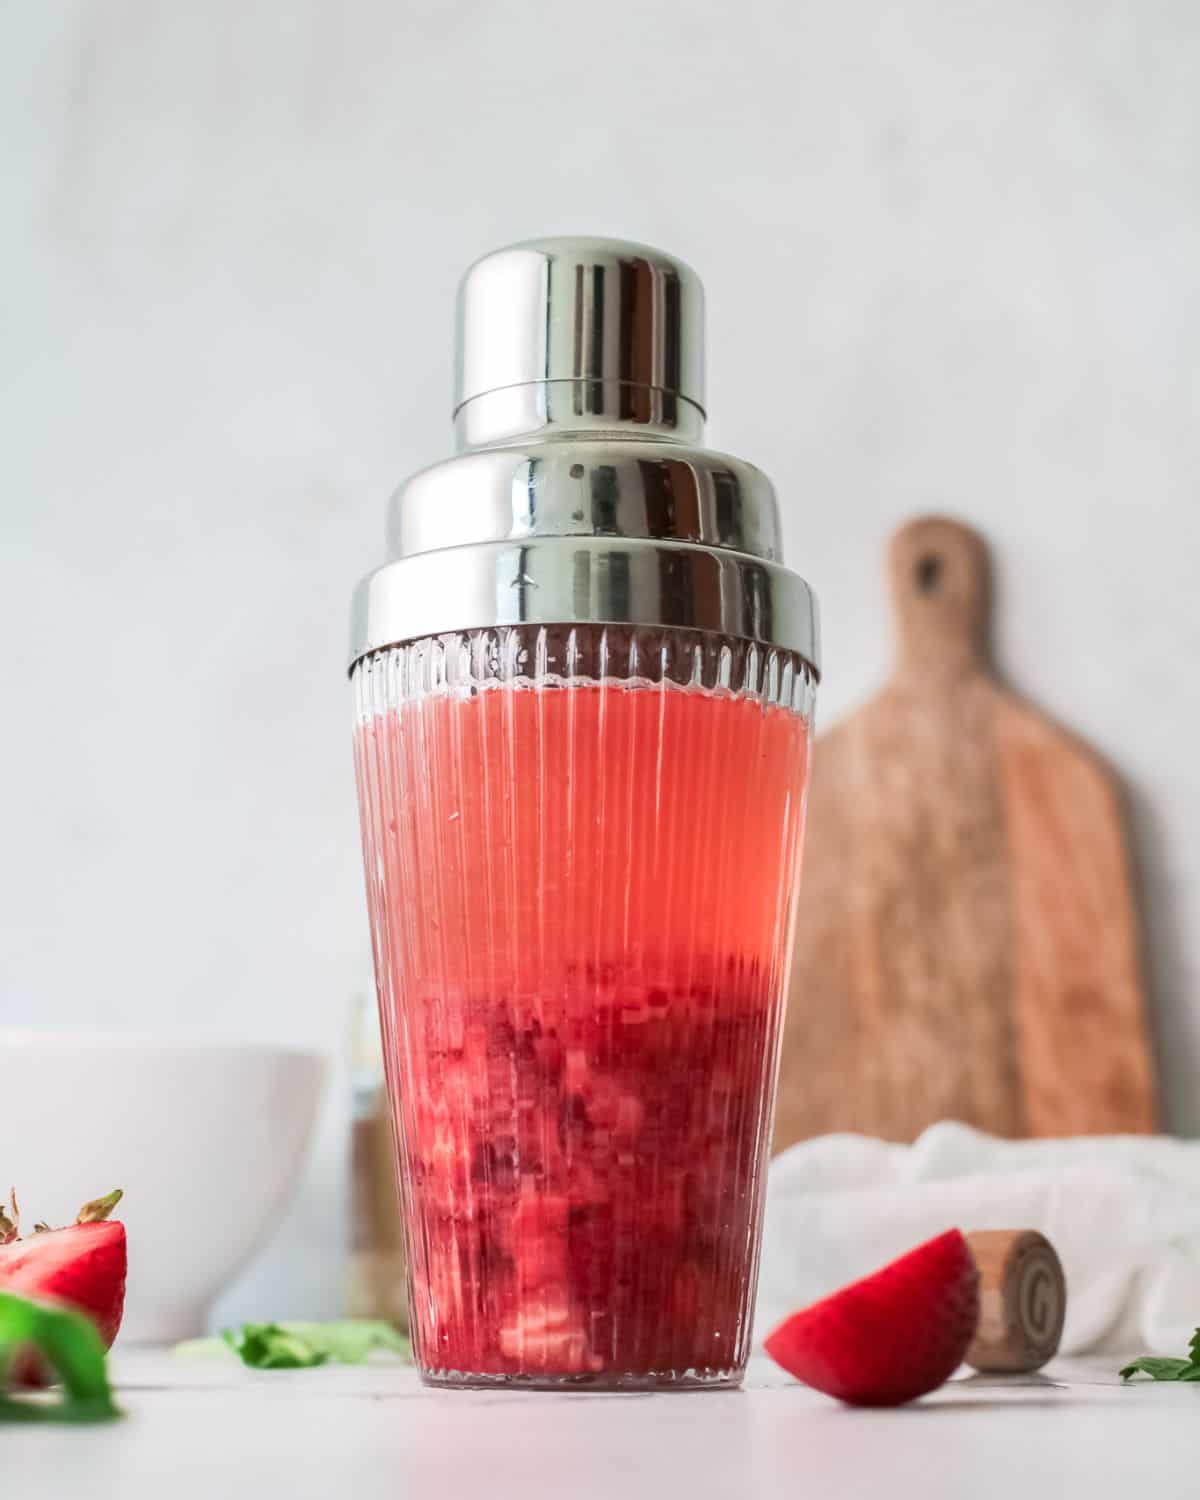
(580, 899)
(583, 1170)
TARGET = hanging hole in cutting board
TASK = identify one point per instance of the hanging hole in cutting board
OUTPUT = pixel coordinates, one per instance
(928, 573)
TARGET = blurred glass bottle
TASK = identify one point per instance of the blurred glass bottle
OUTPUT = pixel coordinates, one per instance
(376, 1281)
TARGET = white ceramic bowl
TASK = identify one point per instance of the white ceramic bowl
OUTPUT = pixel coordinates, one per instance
(207, 1142)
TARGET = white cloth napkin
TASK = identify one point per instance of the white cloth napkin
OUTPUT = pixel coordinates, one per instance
(1123, 1212)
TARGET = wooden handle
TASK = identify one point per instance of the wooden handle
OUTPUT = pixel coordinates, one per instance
(940, 594)
(1022, 1300)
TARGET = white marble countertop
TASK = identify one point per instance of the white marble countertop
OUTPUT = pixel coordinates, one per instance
(212, 1429)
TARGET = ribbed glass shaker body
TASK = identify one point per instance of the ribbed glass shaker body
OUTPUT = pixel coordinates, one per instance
(582, 848)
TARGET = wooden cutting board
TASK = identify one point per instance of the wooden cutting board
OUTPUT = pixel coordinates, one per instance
(967, 945)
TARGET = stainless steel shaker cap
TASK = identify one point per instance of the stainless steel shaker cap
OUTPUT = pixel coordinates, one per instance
(592, 330)
(576, 496)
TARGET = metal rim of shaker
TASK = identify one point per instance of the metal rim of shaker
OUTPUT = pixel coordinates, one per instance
(585, 580)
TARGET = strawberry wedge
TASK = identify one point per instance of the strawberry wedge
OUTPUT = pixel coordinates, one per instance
(891, 1337)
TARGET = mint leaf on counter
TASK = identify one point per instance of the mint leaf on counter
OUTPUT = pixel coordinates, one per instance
(1167, 1369)
(300, 1346)
(267, 1346)
(1157, 1369)
(70, 1344)
(350, 1340)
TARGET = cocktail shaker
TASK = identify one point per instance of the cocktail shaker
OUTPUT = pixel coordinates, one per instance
(583, 690)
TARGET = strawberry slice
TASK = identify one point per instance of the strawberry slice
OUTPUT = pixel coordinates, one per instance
(894, 1335)
(82, 1266)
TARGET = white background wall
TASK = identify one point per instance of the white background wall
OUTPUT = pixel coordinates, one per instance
(951, 253)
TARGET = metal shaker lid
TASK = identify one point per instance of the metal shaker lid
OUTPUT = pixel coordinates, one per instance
(595, 330)
(577, 496)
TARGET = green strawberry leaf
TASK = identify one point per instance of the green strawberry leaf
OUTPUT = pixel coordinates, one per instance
(300, 1346)
(70, 1344)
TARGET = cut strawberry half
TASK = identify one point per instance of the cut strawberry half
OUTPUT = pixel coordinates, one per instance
(82, 1266)
(894, 1335)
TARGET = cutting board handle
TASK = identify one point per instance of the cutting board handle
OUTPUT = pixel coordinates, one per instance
(940, 596)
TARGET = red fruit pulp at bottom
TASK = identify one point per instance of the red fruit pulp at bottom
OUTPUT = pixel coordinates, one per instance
(580, 904)
(83, 1266)
(603, 1224)
(892, 1336)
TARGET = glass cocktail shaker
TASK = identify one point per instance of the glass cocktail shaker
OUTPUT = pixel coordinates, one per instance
(583, 690)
